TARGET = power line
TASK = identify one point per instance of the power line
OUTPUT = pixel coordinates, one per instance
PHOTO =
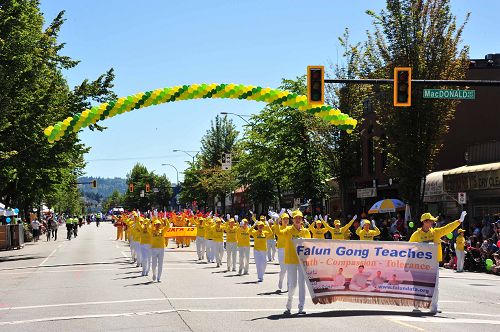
(135, 158)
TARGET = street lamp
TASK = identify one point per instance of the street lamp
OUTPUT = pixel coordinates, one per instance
(238, 115)
(177, 184)
(187, 152)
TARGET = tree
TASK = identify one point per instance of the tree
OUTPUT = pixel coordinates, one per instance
(424, 35)
(34, 94)
(116, 199)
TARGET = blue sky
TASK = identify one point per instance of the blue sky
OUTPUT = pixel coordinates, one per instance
(159, 43)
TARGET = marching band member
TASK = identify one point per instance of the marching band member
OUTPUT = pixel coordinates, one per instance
(365, 233)
(282, 222)
(338, 233)
(244, 246)
(260, 236)
(231, 230)
(218, 240)
(158, 232)
(433, 235)
(292, 261)
(200, 237)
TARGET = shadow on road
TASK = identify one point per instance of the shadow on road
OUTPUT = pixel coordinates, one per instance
(248, 282)
(347, 313)
(140, 284)
(276, 292)
(18, 258)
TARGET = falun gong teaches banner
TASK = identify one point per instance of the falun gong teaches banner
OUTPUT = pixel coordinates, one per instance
(389, 273)
(181, 231)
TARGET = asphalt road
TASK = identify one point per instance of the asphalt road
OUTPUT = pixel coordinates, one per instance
(89, 284)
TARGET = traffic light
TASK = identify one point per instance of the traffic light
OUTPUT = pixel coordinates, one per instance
(147, 187)
(131, 187)
(402, 86)
(94, 183)
(316, 85)
(223, 159)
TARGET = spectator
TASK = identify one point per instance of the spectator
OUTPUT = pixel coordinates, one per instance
(452, 262)
(35, 226)
(496, 264)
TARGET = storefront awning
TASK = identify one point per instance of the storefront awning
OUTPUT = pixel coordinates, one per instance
(477, 177)
(473, 169)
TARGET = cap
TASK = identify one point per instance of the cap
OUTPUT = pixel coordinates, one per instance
(262, 218)
(461, 230)
(284, 215)
(260, 223)
(297, 213)
(245, 220)
(318, 221)
(336, 222)
(427, 216)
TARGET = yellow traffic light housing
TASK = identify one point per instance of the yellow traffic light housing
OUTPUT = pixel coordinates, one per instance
(131, 187)
(147, 187)
(94, 183)
(316, 85)
(402, 86)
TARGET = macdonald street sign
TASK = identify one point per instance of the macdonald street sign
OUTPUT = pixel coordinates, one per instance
(449, 94)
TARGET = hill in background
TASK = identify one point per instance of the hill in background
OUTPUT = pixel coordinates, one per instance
(105, 187)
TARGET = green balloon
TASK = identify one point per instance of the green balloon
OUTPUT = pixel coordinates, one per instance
(449, 236)
(489, 262)
(411, 224)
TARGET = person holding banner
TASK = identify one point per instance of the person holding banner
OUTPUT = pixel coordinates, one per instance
(200, 237)
(282, 222)
(365, 233)
(338, 233)
(433, 235)
(294, 274)
(218, 241)
(260, 236)
(244, 246)
(158, 233)
(231, 244)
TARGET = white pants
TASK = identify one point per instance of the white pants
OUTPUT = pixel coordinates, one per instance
(460, 260)
(281, 259)
(231, 248)
(210, 250)
(244, 259)
(157, 257)
(200, 247)
(294, 274)
(218, 251)
(271, 250)
(132, 250)
(435, 296)
(138, 252)
(260, 263)
(145, 258)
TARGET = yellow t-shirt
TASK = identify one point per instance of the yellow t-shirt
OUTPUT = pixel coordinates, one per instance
(200, 228)
(209, 234)
(281, 240)
(231, 233)
(318, 233)
(290, 233)
(243, 237)
(434, 235)
(367, 235)
(260, 238)
(218, 233)
(460, 241)
(145, 235)
(340, 233)
(158, 237)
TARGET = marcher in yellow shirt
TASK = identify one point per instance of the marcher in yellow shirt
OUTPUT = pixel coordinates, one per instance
(209, 240)
(460, 250)
(295, 231)
(200, 237)
(244, 246)
(158, 233)
(231, 230)
(433, 235)
(271, 242)
(218, 240)
(317, 231)
(260, 236)
(338, 233)
(280, 244)
(146, 247)
(365, 233)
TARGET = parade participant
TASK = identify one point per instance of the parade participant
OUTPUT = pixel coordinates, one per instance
(365, 233)
(158, 233)
(200, 237)
(271, 243)
(75, 226)
(54, 226)
(433, 235)
(69, 227)
(338, 233)
(317, 231)
(119, 228)
(294, 275)
(209, 236)
(218, 240)
(231, 230)
(146, 247)
(459, 249)
(359, 281)
(260, 236)
(137, 234)
(244, 246)
(282, 222)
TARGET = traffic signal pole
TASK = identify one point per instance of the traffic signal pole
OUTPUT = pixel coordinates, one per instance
(419, 82)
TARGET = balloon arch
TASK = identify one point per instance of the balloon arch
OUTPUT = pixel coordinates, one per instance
(196, 91)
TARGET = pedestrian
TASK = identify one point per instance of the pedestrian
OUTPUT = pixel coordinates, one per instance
(365, 233)
(260, 235)
(294, 275)
(35, 226)
(158, 233)
(244, 247)
(69, 227)
(460, 250)
(433, 235)
(231, 230)
(54, 225)
(75, 226)
(48, 229)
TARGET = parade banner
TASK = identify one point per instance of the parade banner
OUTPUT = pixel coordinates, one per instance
(373, 272)
(181, 231)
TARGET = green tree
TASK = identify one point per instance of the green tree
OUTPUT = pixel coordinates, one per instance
(116, 199)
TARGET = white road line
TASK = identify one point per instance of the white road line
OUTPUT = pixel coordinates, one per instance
(444, 320)
(405, 324)
(52, 253)
(469, 313)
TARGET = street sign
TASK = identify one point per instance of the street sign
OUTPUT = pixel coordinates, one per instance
(226, 161)
(142, 193)
(366, 192)
(156, 190)
(462, 198)
(449, 94)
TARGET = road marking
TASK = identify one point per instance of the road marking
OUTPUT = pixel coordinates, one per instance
(445, 320)
(52, 253)
(469, 313)
(124, 254)
(405, 324)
